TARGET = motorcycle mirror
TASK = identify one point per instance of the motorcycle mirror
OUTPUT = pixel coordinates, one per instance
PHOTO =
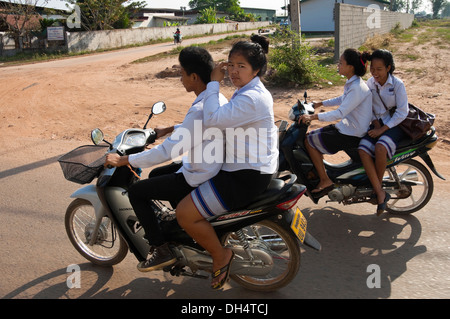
(97, 136)
(305, 95)
(158, 107)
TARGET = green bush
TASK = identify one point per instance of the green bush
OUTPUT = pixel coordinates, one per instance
(292, 60)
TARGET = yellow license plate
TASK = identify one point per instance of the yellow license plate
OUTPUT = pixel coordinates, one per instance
(299, 224)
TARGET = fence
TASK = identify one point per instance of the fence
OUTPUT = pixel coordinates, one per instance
(355, 24)
(95, 40)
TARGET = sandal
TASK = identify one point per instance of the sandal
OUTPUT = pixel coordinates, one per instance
(219, 272)
(382, 207)
(320, 192)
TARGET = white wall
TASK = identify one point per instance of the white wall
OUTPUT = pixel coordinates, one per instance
(95, 40)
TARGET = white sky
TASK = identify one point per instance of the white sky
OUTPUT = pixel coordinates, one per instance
(176, 4)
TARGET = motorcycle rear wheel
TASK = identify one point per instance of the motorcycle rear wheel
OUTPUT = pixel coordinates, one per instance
(414, 172)
(280, 244)
(109, 248)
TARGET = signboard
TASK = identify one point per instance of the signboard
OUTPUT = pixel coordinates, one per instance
(55, 33)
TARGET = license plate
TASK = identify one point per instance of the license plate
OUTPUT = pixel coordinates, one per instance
(299, 224)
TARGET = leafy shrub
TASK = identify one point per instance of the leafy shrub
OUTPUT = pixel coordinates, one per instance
(292, 60)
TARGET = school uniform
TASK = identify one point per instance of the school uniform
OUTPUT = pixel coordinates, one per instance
(354, 113)
(174, 182)
(391, 113)
(251, 148)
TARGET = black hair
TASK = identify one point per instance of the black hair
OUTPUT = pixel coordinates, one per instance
(254, 52)
(197, 60)
(386, 56)
(357, 59)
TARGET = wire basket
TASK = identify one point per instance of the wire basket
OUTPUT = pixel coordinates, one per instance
(84, 163)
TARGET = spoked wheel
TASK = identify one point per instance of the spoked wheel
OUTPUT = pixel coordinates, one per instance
(107, 249)
(416, 187)
(283, 248)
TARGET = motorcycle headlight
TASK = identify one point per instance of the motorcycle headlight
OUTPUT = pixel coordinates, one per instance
(291, 115)
(135, 139)
(294, 113)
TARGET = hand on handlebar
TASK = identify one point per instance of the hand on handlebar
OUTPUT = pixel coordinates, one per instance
(306, 118)
(115, 160)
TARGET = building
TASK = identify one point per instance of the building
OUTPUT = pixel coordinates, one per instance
(263, 14)
(317, 16)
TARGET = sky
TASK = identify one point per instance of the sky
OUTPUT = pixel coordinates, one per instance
(176, 4)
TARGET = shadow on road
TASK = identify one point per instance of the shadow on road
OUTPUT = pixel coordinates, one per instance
(341, 270)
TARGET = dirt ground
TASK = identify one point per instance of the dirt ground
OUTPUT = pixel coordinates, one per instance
(66, 101)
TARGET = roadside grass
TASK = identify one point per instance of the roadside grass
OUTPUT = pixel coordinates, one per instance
(213, 45)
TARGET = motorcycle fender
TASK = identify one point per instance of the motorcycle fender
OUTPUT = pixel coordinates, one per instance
(286, 221)
(89, 193)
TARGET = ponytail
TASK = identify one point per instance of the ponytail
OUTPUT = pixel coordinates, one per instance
(358, 60)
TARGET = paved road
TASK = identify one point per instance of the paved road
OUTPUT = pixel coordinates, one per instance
(411, 253)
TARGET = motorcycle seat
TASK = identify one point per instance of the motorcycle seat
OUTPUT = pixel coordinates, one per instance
(274, 191)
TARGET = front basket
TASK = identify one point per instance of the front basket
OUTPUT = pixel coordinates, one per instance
(84, 163)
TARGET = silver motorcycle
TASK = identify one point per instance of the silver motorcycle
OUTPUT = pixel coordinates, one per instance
(102, 226)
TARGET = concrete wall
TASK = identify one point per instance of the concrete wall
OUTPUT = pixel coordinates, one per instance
(94, 40)
(355, 24)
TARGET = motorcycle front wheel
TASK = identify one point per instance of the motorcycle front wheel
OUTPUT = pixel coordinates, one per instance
(107, 249)
(279, 244)
(416, 187)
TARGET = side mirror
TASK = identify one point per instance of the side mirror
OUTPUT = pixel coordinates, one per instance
(97, 136)
(158, 107)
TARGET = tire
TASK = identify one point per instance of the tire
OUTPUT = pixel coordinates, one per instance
(421, 192)
(286, 251)
(108, 250)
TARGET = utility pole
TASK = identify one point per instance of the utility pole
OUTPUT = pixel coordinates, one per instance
(295, 16)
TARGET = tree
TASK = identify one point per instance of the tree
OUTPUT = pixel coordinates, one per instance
(446, 11)
(228, 6)
(415, 4)
(106, 14)
(397, 5)
(207, 15)
(21, 18)
(437, 5)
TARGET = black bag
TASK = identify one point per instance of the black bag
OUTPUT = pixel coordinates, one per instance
(417, 123)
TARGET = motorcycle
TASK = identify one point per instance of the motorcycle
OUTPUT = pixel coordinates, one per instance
(101, 224)
(177, 38)
(408, 181)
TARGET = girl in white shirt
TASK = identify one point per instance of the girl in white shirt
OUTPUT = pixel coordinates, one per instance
(251, 150)
(354, 113)
(390, 108)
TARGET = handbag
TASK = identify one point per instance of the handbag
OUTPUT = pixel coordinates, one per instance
(417, 123)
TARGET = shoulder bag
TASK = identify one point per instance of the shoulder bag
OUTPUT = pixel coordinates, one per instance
(417, 122)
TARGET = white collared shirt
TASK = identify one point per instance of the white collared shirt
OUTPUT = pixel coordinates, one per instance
(190, 137)
(393, 93)
(248, 122)
(355, 108)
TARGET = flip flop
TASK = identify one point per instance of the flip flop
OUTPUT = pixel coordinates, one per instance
(219, 272)
(322, 191)
(382, 207)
